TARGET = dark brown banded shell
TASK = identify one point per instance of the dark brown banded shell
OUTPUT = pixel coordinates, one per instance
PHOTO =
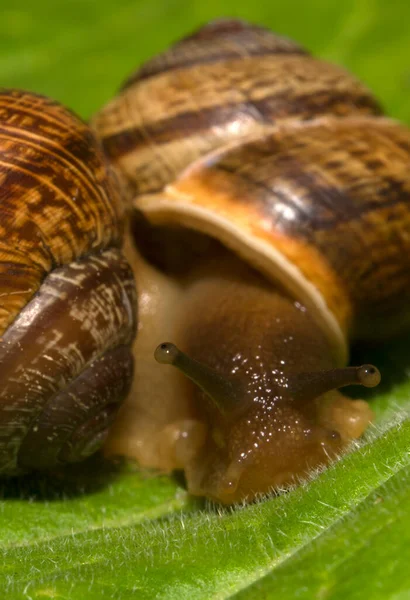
(58, 199)
(186, 108)
(332, 197)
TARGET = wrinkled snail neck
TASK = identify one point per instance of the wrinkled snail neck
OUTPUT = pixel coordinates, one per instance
(226, 394)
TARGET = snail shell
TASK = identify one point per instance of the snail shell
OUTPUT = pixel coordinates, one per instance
(288, 161)
(325, 173)
(67, 297)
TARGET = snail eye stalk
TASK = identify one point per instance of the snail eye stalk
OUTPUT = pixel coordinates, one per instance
(311, 385)
(223, 393)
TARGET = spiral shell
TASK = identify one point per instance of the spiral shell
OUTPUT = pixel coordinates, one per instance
(67, 297)
(285, 158)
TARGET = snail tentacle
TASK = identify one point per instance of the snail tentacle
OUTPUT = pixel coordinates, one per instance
(223, 392)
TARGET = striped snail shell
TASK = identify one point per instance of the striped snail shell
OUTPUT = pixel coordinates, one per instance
(67, 298)
(287, 160)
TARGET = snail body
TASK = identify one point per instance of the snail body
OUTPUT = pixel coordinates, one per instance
(67, 296)
(288, 162)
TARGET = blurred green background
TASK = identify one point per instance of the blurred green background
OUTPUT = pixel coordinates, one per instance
(79, 51)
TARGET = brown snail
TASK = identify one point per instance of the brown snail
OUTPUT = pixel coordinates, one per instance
(67, 297)
(271, 202)
(270, 228)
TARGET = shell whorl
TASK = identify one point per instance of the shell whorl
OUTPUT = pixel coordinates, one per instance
(225, 83)
(58, 199)
(67, 297)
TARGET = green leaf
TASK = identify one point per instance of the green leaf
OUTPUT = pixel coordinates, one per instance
(114, 532)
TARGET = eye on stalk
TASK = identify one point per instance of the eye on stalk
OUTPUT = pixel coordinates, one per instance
(223, 393)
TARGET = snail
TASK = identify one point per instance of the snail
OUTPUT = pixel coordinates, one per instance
(269, 199)
(67, 294)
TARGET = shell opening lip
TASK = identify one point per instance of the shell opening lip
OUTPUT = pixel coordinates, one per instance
(159, 208)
